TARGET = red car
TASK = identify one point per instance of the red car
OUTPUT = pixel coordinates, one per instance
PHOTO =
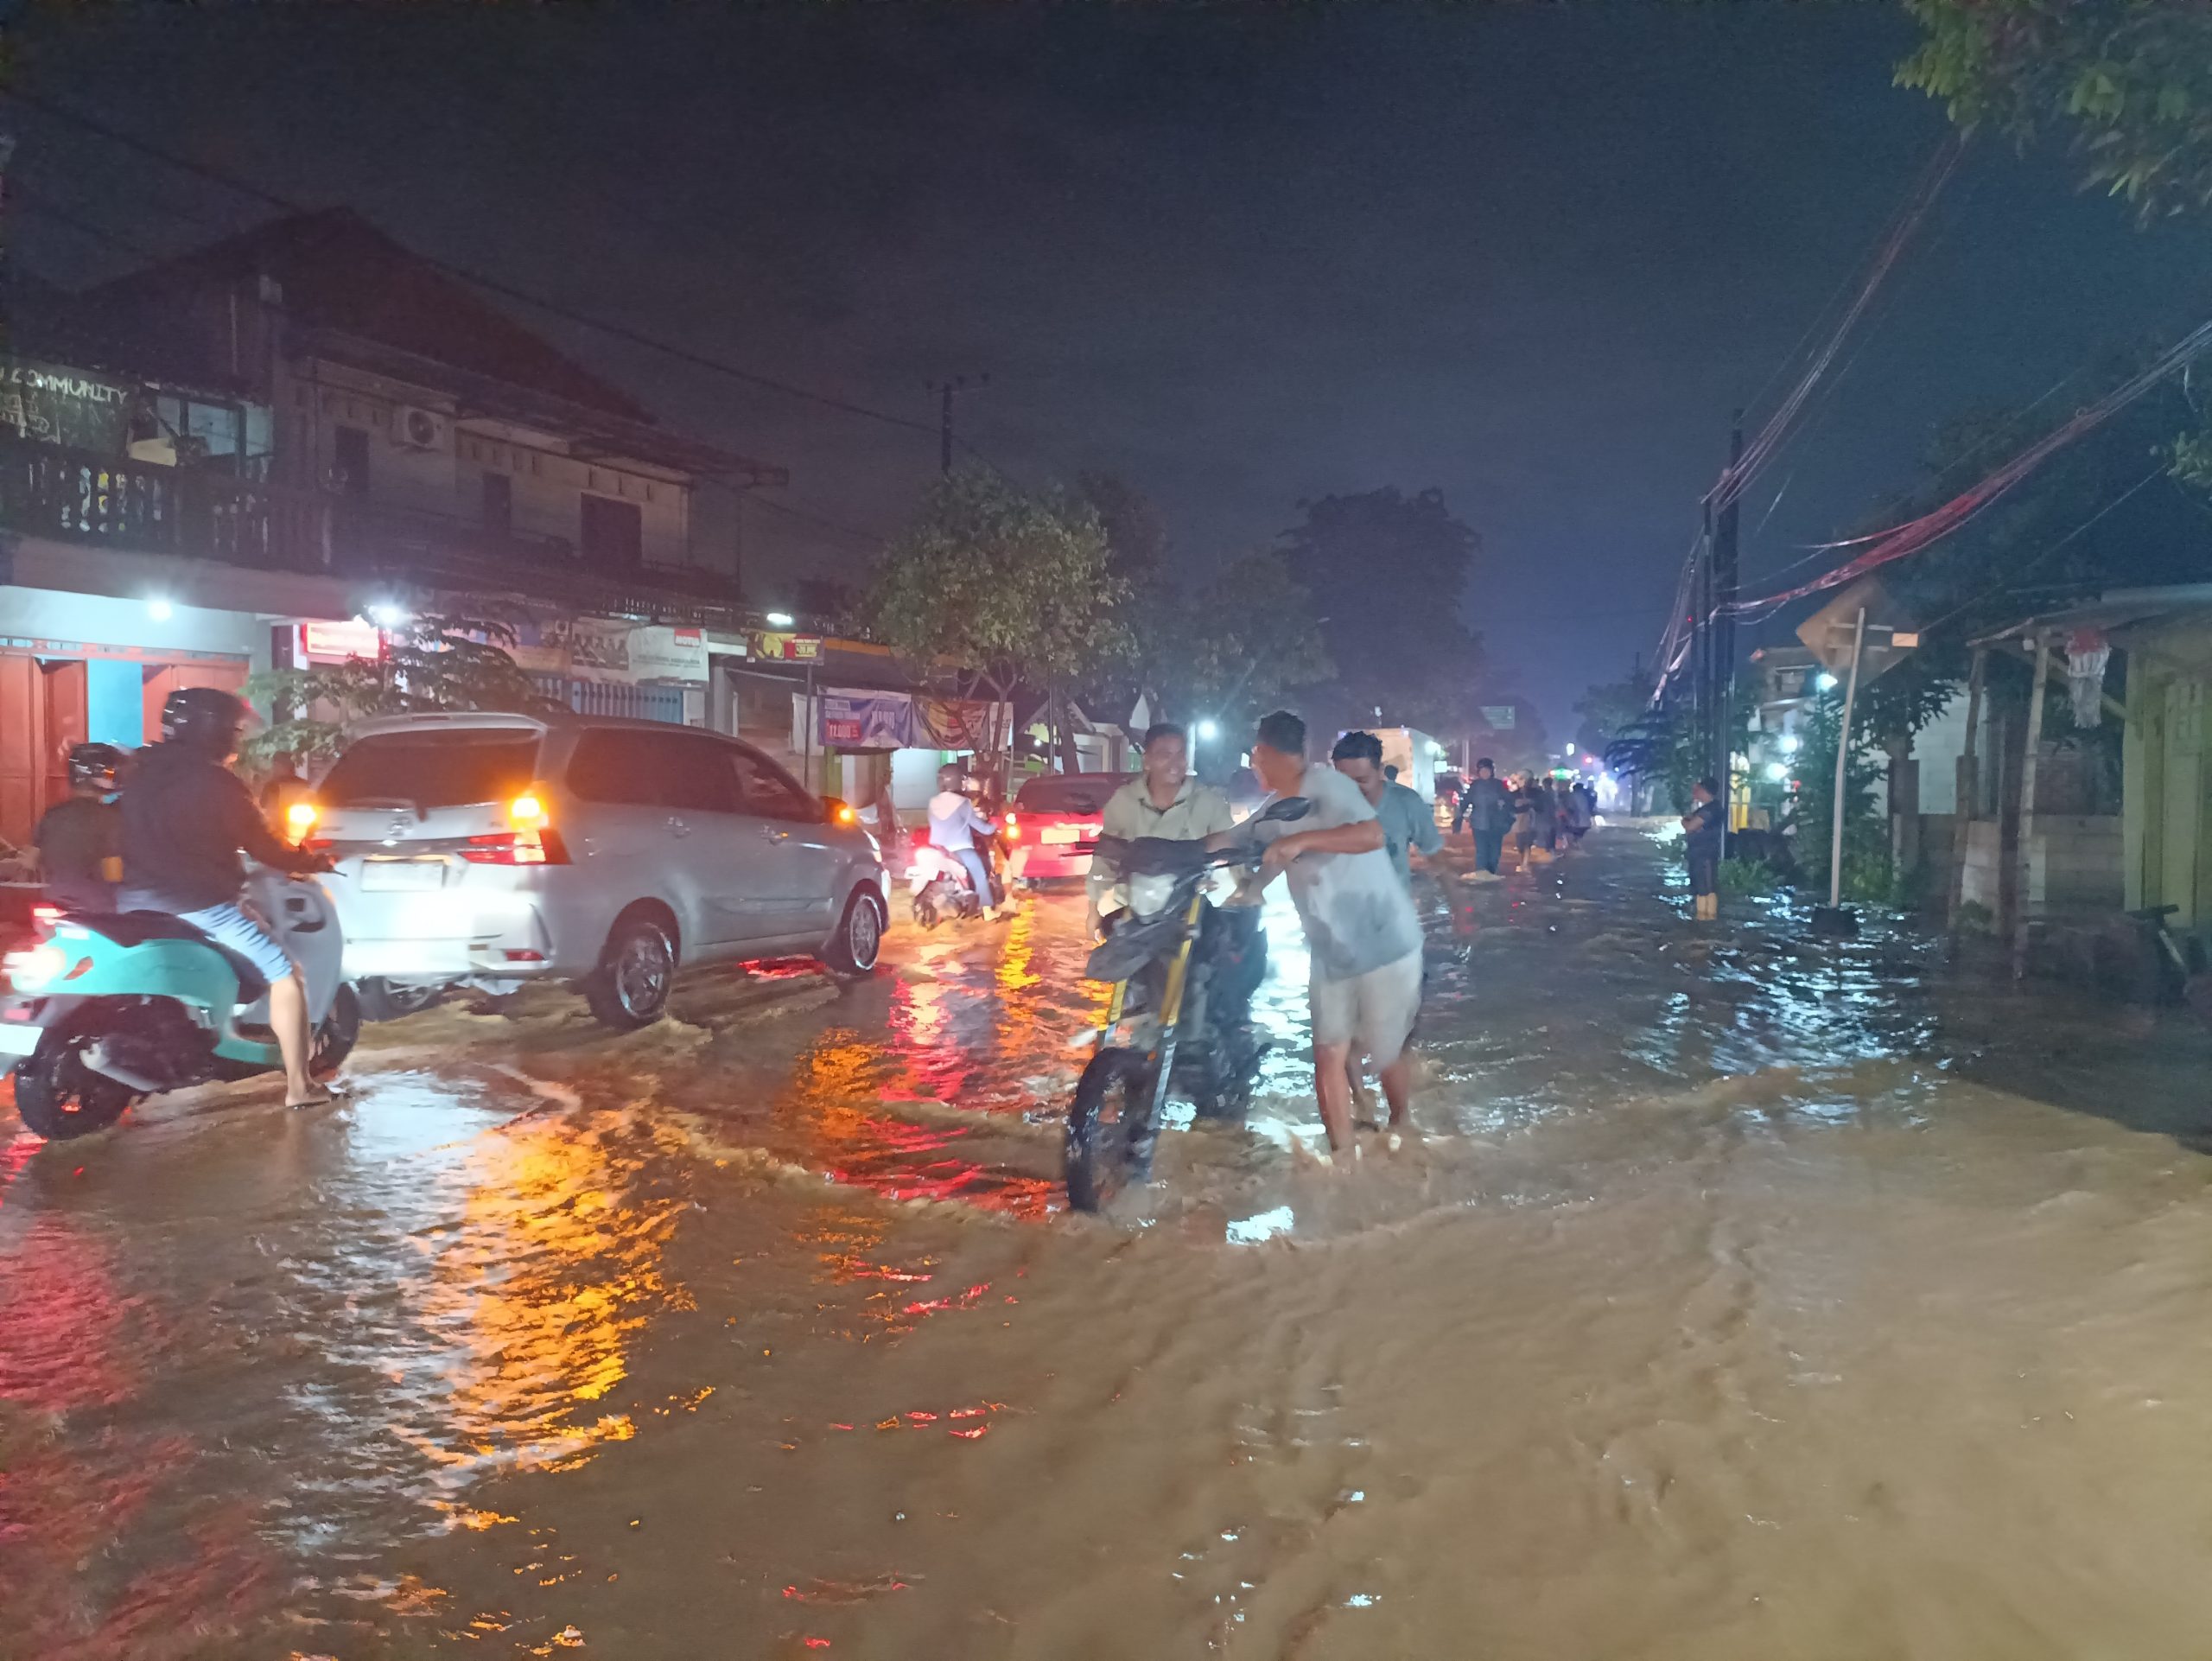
(1054, 822)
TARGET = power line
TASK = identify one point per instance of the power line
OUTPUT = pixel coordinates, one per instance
(1914, 535)
(493, 285)
(804, 517)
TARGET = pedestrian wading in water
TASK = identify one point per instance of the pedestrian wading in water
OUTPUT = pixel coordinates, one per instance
(1702, 824)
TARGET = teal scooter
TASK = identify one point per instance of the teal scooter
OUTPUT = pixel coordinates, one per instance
(100, 1012)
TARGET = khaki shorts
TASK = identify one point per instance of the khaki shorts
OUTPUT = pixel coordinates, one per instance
(1374, 1012)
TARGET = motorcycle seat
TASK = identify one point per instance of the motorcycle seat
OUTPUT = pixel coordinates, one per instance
(131, 928)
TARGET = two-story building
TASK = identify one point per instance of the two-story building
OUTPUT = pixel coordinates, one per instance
(253, 453)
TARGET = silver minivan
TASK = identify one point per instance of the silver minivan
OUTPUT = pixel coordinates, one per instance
(495, 848)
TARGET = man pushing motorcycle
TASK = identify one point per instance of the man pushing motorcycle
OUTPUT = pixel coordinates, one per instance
(1360, 930)
(186, 818)
(1164, 801)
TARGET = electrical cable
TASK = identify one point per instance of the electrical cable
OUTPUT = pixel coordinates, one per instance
(493, 285)
(1739, 474)
(1909, 537)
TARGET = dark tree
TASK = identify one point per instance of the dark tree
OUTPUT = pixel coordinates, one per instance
(1388, 576)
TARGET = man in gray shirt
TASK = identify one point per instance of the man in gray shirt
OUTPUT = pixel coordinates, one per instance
(1362, 935)
(1409, 822)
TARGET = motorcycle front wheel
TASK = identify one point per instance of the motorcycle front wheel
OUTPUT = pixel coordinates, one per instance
(1109, 1123)
(59, 1096)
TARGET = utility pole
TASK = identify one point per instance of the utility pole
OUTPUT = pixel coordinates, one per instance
(1701, 720)
(1723, 661)
(946, 391)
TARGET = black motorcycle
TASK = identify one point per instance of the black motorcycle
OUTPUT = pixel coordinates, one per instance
(1176, 962)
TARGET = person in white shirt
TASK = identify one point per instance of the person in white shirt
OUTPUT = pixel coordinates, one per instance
(955, 826)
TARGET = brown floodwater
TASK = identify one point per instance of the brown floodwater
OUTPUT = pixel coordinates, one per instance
(1742, 1297)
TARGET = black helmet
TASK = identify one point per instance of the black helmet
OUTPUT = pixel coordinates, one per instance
(96, 765)
(203, 718)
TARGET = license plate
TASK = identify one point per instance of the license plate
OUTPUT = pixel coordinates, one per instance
(401, 875)
(1058, 833)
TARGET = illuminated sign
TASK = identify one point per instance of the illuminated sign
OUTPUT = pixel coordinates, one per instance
(339, 641)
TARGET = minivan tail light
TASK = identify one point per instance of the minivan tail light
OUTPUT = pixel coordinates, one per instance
(516, 847)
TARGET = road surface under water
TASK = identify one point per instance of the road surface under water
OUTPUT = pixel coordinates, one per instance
(1741, 1298)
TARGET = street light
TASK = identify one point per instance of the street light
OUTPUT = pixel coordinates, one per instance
(1206, 732)
(384, 615)
(1789, 743)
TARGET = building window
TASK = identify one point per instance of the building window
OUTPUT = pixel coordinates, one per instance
(499, 504)
(349, 460)
(613, 533)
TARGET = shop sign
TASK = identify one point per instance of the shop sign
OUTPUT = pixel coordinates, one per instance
(57, 405)
(788, 648)
(336, 642)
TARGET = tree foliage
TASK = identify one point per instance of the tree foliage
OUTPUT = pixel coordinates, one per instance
(2127, 83)
(1388, 575)
(1235, 647)
(1614, 711)
(1014, 587)
(444, 660)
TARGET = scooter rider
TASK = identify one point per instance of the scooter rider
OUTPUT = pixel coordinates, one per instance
(80, 841)
(186, 818)
(959, 829)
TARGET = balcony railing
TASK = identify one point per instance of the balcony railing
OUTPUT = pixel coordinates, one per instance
(143, 507)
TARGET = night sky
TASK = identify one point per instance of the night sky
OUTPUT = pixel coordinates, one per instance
(1530, 255)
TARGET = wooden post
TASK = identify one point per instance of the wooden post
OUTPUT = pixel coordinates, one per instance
(2030, 747)
(1969, 788)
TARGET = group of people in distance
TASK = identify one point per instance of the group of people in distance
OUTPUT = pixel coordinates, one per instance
(1537, 812)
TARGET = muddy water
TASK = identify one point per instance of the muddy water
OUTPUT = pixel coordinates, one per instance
(1741, 1299)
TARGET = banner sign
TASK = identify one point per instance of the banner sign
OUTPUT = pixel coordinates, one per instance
(867, 721)
(958, 724)
(64, 406)
(851, 719)
(610, 651)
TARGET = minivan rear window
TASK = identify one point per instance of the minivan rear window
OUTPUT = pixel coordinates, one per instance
(1066, 793)
(453, 766)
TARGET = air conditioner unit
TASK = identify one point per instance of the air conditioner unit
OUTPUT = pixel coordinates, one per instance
(416, 428)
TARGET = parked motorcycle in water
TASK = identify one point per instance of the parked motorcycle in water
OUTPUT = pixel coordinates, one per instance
(941, 889)
(100, 1012)
(1176, 962)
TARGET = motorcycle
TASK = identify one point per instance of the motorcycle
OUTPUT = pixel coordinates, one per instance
(940, 887)
(100, 1012)
(1175, 961)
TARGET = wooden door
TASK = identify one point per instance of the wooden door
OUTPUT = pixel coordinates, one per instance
(41, 715)
(161, 679)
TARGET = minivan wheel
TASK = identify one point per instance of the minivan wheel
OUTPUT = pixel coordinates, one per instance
(630, 987)
(859, 940)
(384, 1000)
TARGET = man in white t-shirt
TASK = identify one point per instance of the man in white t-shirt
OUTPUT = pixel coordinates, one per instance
(1362, 934)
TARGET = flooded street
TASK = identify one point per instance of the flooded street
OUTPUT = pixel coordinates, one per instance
(1742, 1297)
